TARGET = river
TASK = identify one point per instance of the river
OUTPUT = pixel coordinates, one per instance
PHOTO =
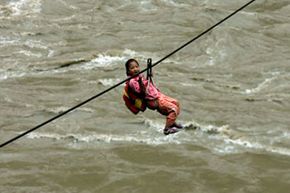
(233, 83)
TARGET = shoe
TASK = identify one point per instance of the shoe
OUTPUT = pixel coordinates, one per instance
(170, 130)
(179, 126)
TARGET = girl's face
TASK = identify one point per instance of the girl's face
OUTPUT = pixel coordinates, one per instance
(133, 68)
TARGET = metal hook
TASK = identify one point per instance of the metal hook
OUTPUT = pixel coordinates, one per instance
(149, 68)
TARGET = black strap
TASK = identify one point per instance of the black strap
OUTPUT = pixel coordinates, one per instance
(149, 71)
(149, 68)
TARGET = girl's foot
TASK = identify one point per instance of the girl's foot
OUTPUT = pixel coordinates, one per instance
(179, 126)
(170, 130)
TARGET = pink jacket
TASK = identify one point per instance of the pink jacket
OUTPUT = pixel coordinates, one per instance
(152, 92)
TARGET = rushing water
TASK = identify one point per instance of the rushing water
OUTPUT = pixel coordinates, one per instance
(233, 83)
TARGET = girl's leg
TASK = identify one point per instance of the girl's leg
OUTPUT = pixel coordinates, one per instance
(169, 107)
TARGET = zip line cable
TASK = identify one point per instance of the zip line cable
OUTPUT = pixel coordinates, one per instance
(127, 79)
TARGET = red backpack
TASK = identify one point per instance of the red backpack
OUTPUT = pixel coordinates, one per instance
(133, 101)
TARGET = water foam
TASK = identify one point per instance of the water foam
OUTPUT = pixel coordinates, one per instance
(220, 139)
(25, 7)
(100, 61)
(105, 138)
(109, 81)
(58, 110)
(260, 86)
(5, 41)
(9, 74)
(30, 54)
(248, 145)
(35, 47)
(103, 61)
(232, 141)
(147, 136)
(35, 44)
(174, 3)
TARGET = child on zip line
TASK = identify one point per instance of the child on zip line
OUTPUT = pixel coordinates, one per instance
(140, 93)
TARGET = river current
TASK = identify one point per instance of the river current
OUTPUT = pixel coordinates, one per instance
(233, 83)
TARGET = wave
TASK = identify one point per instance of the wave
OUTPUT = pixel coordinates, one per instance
(102, 60)
(146, 136)
(223, 139)
(6, 41)
(260, 86)
(153, 6)
(104, 138)
(24, 7)
(58, 110)
(10, 74)
(254, 146)
(175, 3)
(218, 139)
(109, 81)
(33, 48)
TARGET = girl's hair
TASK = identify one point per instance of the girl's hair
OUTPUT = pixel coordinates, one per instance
(127, 64)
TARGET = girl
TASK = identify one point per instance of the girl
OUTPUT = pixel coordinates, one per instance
(140, 93)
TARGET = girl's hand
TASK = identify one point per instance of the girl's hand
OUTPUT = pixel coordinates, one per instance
(142, 86)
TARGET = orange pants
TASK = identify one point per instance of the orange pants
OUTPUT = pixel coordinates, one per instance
(169, 107)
